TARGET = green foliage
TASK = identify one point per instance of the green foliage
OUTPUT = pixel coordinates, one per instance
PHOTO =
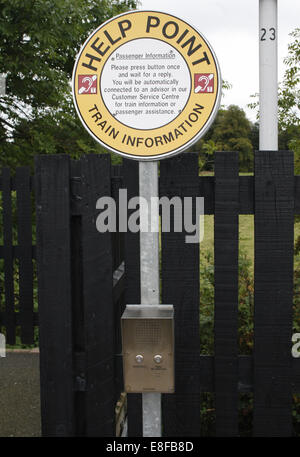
(246, 305)
(289, 98)
(254, 136)
(15, 273)
(207, 414)
(296, 414)
(231, 131)
(246, 302)
(288, 101)
(206, 157)
(39, 41)
(246, 292)
(289, 91)
(207, 294)
(296, 329)
(245, 336)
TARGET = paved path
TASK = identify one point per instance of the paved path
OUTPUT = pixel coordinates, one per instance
(19, 394)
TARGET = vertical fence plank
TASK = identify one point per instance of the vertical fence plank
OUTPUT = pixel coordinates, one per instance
(54, 282)
(132, 288)
(77, 298)
(180, 287)
(117, 237)
(274, 229)
(9, 315)
(98, 300)
(118, 259)
(24, 212)
(226, 292)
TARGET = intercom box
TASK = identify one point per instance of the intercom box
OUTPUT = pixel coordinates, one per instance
(148, 348)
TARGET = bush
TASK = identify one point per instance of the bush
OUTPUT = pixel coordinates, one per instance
(246, 303)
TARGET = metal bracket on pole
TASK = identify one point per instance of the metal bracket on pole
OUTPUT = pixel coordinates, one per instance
(268, 75)
(149, 258)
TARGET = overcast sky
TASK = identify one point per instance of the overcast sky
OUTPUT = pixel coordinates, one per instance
(231, 27)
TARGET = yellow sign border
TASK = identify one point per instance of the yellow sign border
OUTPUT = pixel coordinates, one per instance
(184, 130)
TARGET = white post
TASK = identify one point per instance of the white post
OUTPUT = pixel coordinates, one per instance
(2, 345)
(149, 259)
(2, 84)
(268, 75)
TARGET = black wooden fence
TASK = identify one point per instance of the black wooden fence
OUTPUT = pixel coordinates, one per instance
(85, 279)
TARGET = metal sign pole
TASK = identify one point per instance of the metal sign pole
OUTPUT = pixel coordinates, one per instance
(112, 94)
(149, 259)
(2, 84)
(268, 75)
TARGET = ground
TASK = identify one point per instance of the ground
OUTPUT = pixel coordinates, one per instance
(20, 394)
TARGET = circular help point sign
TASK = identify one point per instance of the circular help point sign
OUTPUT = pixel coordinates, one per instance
(146, 85)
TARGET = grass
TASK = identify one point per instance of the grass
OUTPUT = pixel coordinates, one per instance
(246, 237)
(246, 232)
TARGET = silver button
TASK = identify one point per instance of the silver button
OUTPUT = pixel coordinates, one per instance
(157, 358)
(139, 358)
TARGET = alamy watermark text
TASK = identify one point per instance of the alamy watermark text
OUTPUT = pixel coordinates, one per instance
(177, 214)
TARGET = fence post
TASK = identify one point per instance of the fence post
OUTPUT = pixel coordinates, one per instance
(132, 288)
(97, 290)
(55, 303)
(226, 292)
(274, 236)
(9, 315)
(180, 287)
(24, 212)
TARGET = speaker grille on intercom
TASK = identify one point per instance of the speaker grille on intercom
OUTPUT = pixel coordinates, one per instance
(147, 331)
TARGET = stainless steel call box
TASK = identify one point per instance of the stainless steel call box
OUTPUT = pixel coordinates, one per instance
(148, 348)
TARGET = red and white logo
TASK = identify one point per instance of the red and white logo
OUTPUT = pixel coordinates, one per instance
(204, 83)
(87, 84)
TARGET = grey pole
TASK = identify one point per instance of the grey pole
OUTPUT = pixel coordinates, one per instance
(149, 259)
(268, 75)
(2, 84)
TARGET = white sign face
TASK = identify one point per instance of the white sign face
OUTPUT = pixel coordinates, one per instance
(145, 89)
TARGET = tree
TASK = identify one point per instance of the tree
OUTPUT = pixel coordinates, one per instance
(39, 41)
(231, 132)
(206, 146)
(289, 101)
(289, 98)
